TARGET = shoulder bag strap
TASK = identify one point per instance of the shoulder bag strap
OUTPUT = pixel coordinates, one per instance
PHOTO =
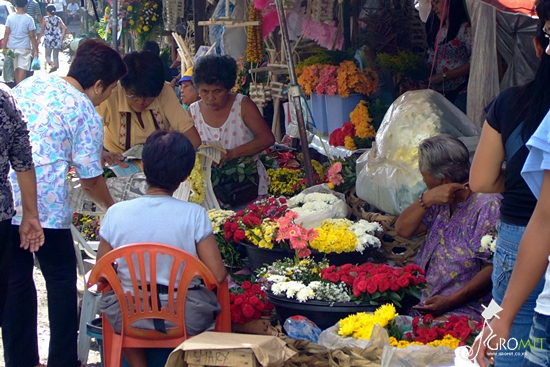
(128, 130)
(514, 142)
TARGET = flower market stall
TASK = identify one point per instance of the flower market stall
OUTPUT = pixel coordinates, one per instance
(317, 261)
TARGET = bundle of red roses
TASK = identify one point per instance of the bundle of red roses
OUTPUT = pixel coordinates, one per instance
(252, 216)
(427, 330)
(378, 283)
(248, 302)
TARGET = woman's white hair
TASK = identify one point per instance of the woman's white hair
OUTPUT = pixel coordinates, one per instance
(444, 156)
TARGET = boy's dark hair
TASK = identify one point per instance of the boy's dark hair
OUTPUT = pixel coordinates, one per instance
(215, 70)
(168, 159)
(145, 76)
(96, 60)
(21, 3)
(151, 46)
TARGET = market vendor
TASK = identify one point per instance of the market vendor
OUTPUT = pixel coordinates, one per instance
(450, 43)
(233, 119)
(142, 103)
(454, 218)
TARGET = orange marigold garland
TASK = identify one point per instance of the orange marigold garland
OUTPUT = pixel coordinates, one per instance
(254, 49)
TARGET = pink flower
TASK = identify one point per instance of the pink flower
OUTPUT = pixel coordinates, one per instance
(333, 174)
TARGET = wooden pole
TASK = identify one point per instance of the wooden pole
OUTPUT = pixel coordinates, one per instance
(294, 94)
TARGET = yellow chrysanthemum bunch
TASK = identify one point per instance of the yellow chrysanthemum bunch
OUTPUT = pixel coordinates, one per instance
(334, 236)
(352, 80)
(349, 143)
(360, 325)
(447, 341)
(360, 118)
(284, 181)
(263, 235)
(197, 178)
(319, 169)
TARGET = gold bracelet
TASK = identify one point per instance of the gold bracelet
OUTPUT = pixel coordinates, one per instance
(421, 201)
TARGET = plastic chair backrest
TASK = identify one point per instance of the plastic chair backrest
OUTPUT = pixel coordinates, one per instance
(139, 308)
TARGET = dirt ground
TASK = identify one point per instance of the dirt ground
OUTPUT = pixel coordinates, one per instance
(94, 357)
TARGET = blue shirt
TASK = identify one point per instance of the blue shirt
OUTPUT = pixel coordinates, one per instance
(65, 130)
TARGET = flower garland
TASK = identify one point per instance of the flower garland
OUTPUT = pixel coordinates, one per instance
(360, 325)
(197, 178)
(254, 49)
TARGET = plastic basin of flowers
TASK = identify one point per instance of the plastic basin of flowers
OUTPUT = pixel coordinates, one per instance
(259, 256)
(320, 312)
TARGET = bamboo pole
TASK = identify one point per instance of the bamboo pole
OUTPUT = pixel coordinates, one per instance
(294, 94)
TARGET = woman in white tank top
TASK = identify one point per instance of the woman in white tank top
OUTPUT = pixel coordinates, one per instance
(230, 118)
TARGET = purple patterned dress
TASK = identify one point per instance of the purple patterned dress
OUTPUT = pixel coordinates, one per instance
(450, 254)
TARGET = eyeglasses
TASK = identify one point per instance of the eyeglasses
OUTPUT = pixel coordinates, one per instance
(136, 97)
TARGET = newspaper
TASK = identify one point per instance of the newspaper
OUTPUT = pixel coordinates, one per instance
(133, 185)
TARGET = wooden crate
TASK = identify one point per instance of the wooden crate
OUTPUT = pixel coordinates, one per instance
(221, 357)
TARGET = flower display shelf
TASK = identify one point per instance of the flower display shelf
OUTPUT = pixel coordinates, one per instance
(322, 313)
(259, 256)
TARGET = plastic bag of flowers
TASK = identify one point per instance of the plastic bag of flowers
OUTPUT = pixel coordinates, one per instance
(316, 204)
(360, 330)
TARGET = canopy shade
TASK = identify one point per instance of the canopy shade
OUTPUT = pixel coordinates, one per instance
(526, 7)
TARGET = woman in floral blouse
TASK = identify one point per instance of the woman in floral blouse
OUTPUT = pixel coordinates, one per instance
(450, 44)
(454, 219)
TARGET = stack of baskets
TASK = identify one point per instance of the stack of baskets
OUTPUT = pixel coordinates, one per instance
(395, 249)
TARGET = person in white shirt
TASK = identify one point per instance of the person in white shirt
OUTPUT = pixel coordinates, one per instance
(73, 12)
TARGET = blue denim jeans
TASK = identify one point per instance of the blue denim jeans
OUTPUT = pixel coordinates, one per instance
(539, 354)
(509, 237)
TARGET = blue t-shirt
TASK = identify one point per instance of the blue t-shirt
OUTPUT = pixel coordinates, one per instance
(20, 25)
(155, 218)
(65, 130)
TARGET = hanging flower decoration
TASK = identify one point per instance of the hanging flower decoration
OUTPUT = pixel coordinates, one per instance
(254, 49)
(197, 178)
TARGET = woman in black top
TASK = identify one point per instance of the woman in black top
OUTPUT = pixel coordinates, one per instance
(511, 119)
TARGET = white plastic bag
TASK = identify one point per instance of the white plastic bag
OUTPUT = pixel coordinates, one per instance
(417, 356)
(336, 210)
(330, 339)
(389, 178)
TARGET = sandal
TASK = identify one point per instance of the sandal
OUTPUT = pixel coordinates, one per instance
(52, 70)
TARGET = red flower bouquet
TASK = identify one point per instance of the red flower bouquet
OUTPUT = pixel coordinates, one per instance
(426, 330)
(252, 216)
(248, 302)
(378, 283)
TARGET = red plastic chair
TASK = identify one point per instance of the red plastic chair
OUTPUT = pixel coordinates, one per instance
(148, 307)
